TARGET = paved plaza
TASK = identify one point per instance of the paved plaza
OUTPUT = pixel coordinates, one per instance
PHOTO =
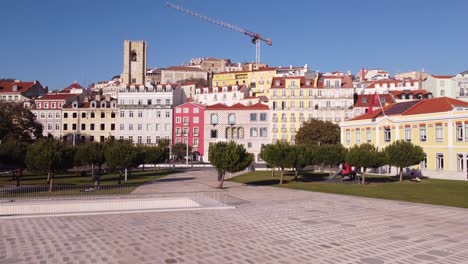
(268, 225)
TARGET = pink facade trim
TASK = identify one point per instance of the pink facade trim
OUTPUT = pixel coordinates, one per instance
(189, 116)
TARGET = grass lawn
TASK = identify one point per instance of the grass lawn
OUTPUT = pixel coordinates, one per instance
(71, 184)
(429, 191)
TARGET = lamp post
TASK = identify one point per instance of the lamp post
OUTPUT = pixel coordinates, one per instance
(186, 132)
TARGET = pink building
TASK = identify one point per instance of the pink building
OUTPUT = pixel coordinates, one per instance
(188, 125)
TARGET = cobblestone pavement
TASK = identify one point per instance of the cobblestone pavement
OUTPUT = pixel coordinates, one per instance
(269, 225)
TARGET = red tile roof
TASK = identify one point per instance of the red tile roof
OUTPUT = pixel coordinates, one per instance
(74, 85)
(60, 96)
(368, 98)
(442, 76)
(7, 86)
(238, 106)
(417, 107)
(392, 81)
(414, 92)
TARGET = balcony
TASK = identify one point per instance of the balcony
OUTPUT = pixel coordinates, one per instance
(275, 130)
(293, 119)
(284, 130)
(275, 119)
(283, 120)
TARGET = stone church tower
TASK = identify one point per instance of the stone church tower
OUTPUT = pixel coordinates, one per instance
(134, 70)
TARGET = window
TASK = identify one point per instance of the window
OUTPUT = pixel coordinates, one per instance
(83, 115)
(253, 132)
(57, 116)
(75, 115)
(168, 101)
(57, 127)
(113, 115)
(38, 105)
(423, 163)
(65, 126)
(122, 126)
(148, 139)
(263, 132)
(73, 127)
(196, 110)
(168, 114)
(158, 114)
(177, 120)
(185, 131)
(459, 162)
(92, 126)
(92, 114)
(149, 102)
(387, 135)
(186, 120)
(195, 142)
(178, 131)
(422, 133)
(249, 144)
(186, 110)
(46, 105)
(49, 127)
(358, 137)
(42, 115)
(103, 126)
(214, 133)
(459, 131)
(178, 110)
(253, 117)
(408, 133)
(83, 127)
(140, 127)
(439, 133)
(263, 117)
(232, 119)
(196, 119)
(130, 126)
(103, 115)
(122, 114)
(195, 131)
(214, 119)
(130, 114)
(439, 161)
(140, 113)
(241, 132)
(140, 139)
(368, 136)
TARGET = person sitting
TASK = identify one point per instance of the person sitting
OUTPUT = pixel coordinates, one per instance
(346, 171)
(414, 177)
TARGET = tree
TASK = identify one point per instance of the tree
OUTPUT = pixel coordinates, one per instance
(18, 122)
(298, 158)
(180, 150)
(13, 154)
(120, 155)
(155, 155)
(49, 156)
(228, 157)
(280, 154)
(403, 154)
(365, 156)
(91, 154)
(317, 132)
(331, 155)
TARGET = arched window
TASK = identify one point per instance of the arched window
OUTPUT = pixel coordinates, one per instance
(228, 133)
(232, 119)
(214, 119)
(241, 133)
(134, 56)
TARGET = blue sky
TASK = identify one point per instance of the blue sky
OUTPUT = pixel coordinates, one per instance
(58, 42)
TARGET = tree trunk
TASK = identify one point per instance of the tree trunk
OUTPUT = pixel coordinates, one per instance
(220, 186)
(295, 174)
(363, 176)
(92, 169)
(273, 172)
(120, 176)
(401, 174)
(331, 172)
(48, 177)
(17, 180)
(51, 181)
(282, 174)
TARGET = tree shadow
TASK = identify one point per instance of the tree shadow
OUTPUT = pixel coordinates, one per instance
(174, 179)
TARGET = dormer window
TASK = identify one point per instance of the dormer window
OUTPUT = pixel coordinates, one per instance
(277, 83)
(39, 105)
(93, 104)
(383, 100)
(364, 100)
(307, 82)
(75, 105)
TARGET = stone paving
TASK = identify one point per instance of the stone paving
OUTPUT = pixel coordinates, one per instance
(269, 225)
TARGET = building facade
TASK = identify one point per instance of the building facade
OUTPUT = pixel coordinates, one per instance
(246, 125)
(134, 70)
(188, 127)
(178, 74)
(90, 120)
(19, 91)
(228, 95)
(440, 85)
(438, 125)
(296, 99)
(145, 112)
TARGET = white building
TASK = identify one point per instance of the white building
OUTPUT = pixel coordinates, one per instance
(145, 112)
(228, 95)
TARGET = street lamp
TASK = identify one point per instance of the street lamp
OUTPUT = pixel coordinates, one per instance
(186, 132)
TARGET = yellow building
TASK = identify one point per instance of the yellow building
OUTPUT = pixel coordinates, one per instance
(294, 100)
(438, 125)
(91, 120)
(259, 81)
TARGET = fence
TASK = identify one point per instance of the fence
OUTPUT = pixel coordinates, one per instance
(107, 199)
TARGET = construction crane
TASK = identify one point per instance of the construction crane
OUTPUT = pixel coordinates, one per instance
(255, 37)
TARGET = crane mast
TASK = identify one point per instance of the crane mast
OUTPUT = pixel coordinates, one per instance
(255, 37)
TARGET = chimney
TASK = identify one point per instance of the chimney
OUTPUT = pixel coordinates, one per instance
(97, 97)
